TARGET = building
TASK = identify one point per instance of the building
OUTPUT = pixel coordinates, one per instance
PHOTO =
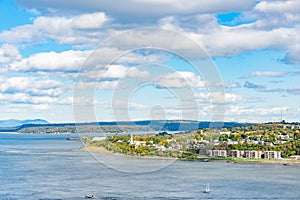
(216, 153)
(224, 133)
(295, 157)
(253, 154)
(236, 153)
(284, 137)
(98, 138)
(272, 154)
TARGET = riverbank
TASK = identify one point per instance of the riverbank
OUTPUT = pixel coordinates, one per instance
(263, 161)
(98, 149)
(103, 150)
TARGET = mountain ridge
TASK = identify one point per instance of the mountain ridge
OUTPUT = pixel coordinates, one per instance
(10, 123)
(168, 125)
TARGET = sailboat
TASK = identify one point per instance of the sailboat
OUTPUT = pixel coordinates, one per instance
(207, 188)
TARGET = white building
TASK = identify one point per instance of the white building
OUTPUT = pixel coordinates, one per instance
(236, 153)
(216, 153)
(272, 154)
(98, 138)
(253, 154)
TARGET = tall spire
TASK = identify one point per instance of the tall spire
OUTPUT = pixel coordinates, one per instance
(131, 138)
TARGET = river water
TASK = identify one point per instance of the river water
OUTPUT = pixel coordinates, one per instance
(51, 167)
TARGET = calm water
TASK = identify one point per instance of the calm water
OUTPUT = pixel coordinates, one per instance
(51, 167)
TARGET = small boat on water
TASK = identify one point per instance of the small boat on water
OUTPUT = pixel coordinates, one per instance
(89, 197)
(207, 188)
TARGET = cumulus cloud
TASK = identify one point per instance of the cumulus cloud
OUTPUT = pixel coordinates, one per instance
(270, 14)
(225, 41)
(250, 114)
(119, 71)
(30, 86)
(102, 85)
(231, 85)
(52, 61)
(262, 114)
(72, 61)
(271, 25)
(292, 55)
(179, 80)
(233, 41)
(140, 8)
(111, 73)
(220, 98)
(204, 29)
(75, 30)
(249, 84)
(24, 98)
(8, 53)
(274, 15)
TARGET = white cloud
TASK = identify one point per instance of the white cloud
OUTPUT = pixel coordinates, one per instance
(220, 98)
(8, 53)
(141, 8)
(233, 98)
(203, 28)
(259, 114)
(74, 30)
(270, 14)
(102, 85)
(86, 61)
(89, 21)
(275, 15)
(112, 72)
(265, 74)
(231, 85)
(30, 86)
(52, 61)
(200, 23)
(226, 41)
(179, 80)
(24, 98)
(233, 41)
(86, 101)
(119, 71)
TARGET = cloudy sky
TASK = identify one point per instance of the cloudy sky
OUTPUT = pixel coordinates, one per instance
(71, 60)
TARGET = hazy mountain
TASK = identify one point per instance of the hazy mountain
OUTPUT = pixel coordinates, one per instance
(16, 122)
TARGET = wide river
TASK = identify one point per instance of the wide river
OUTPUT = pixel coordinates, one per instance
(51, 167)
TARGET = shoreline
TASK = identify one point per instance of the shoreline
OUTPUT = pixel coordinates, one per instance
(102, 150)
(10, 133)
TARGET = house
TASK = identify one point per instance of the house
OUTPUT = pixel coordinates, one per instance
(272, 154)
(295, 157)
(98, 138)
(283, 137)
(216, 153)
(224, 133)
(236, 153)
(253, 154)
(232, 142)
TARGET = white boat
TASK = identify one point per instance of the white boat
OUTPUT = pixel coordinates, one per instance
(207, 188)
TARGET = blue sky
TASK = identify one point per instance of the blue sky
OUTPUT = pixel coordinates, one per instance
(67, 61)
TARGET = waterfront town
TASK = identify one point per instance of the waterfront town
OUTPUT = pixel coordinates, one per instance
(262, 141)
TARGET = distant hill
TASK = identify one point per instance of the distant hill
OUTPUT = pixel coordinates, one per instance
(16, 123)
(121, 126)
